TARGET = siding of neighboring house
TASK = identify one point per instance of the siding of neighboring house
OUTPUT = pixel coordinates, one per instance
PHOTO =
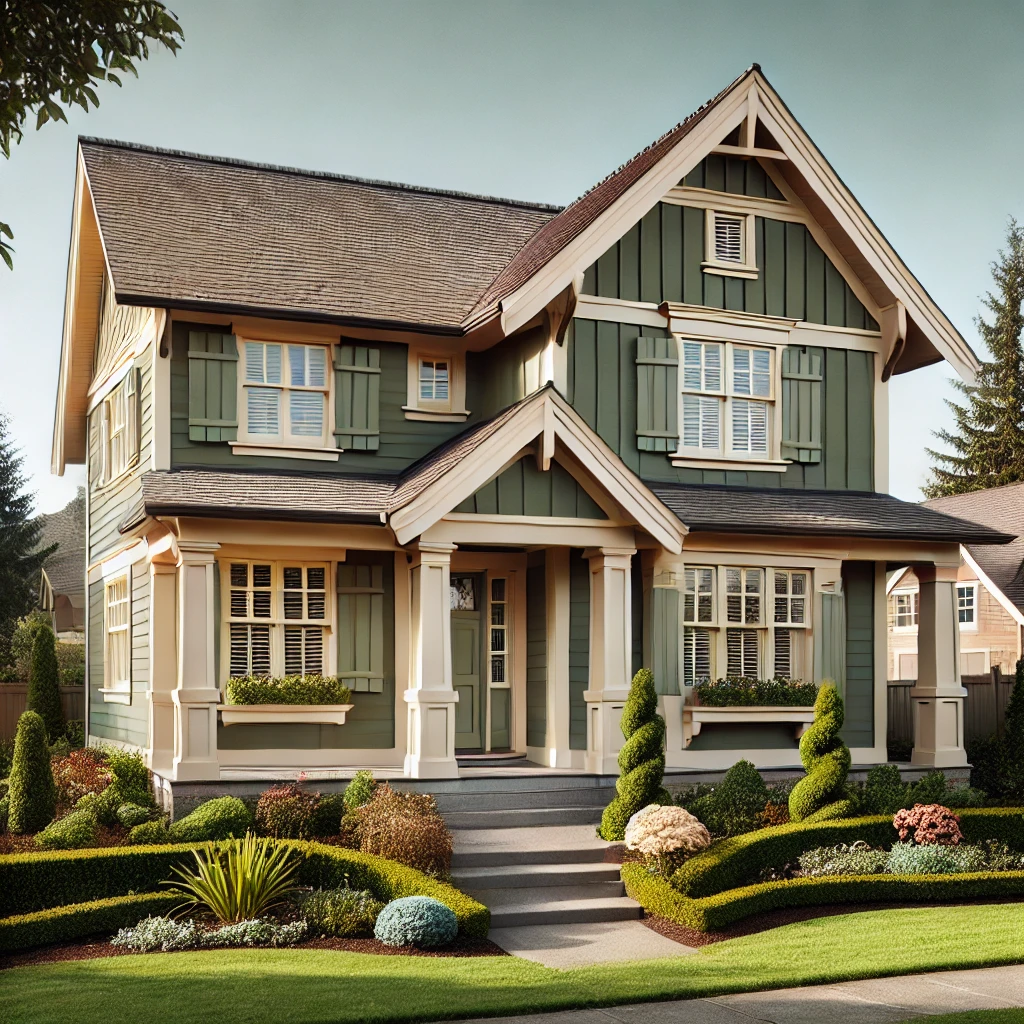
(523, 490)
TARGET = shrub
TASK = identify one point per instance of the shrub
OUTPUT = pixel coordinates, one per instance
(70, 664)
(934, 859)
(6, 757)
(131, 815)
(988, 768)
(1013, 737)
(965, 796)
(746, 692)
(32, 792)
(856, 859)
(339, 912)
(5, 810)
(224, 817)
(666, 836)
(406, 827)
(641, 759)
(326, 818)
(44, 683)
(169, 935)
(75, 733)
(76, 830)
(348, 830)
(129, 777)
(149, 833)
(310, 689)
(23, 643)
(826, 760)
(738, 800)
(240, 880)
(286, 811)
(416, 921)
(78, 773)
(773, 814)
(928, 823)
(360, 790)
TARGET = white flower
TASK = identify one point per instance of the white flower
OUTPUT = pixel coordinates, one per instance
(655, 831)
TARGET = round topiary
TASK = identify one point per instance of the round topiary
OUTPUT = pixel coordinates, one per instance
(73, 832)
(131, 815)
(641, 759)
(818, 796)
(44, 684)
(226, 817)
(416, 921)
(149, 833)
(32, 792)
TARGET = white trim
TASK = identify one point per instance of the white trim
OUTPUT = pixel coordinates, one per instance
(895, 579)
(452, 411)
(427, 415)
(115, 377)
(113, 564)
(282, 451)
(731, 202)
(727, 268)
(122, 693)
(987, 583)
(597, 307)
(160, 416)
(973, 585)
(725, 462)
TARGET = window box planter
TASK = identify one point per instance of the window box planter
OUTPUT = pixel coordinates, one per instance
(695, 716)
(273, 714)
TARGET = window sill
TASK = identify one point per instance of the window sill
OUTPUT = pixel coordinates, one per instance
(412, 412)
(743, 270)
(279, 451)
(686, 461)
(111, 696)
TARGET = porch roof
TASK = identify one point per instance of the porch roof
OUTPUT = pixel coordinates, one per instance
(720, 509)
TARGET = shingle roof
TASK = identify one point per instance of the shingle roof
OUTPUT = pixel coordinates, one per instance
(65, 568)
(713, 509)
(1001, 508)
(193, 231)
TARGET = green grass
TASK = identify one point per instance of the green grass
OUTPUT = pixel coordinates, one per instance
(1010, 1016)
(235, 986)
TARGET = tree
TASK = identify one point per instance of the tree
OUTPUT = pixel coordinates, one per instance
(819, 795)
(33, 795)
(60, 51)
(21, 558)
(44, 684)
(988, 442)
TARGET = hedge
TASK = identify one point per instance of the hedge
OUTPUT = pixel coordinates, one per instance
(79, 920)
(657, 896)
(31, 882)
(733, 862)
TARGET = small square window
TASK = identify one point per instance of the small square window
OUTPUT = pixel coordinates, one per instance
(434, 380)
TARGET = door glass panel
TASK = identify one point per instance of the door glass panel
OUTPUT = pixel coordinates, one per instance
(463, 594)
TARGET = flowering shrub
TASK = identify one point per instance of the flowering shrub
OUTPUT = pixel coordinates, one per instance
(665, 836)
(928, 824)
(168, 935)
(76, 774)
(286, 811)
(406, 827)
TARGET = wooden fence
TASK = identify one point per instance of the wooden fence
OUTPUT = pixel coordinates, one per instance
(984, 707)
(14, 697)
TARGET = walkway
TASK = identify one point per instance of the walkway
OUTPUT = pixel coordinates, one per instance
(876, 1001)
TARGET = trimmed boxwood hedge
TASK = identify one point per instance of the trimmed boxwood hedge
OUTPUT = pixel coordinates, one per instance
(79, 920)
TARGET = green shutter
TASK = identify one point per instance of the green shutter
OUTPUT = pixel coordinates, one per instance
(212, 386)
(832, 640)
(361, 627)
(665, 631)
(357, 397)
(801, 403)
(657, 375)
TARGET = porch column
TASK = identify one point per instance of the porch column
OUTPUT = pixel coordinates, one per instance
(556, 579)
(610, 655)
(163, 665)
(431, 699)
(197, 694)
(938, 696)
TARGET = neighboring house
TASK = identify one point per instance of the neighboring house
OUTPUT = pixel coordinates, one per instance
(484, 459)
(62, 578)
(989, 590)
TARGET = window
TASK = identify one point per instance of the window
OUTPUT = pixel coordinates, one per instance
(790, 610)
(743, 595)
(727, 400)
(966, 607)
(697, 647)
(117, 620)
(904, 609)
(730, 248)
(699, 595)
(284, 393)
(120, 441)
(277, 618)
(436, 386)
(499, 632)
(743, 648)
(434, 380)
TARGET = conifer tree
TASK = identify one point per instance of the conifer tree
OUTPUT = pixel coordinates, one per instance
(44, 684)
(987, 444)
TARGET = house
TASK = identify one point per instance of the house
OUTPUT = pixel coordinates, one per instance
(483, 459)
(62, 577)
(989, 590)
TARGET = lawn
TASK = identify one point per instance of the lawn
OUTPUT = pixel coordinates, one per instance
(1010, 1016)
(300, 986)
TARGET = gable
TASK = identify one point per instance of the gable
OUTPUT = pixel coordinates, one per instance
(524, 490)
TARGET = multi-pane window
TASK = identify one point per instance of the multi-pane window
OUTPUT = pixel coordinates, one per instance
(697, 655)
(498, 642)
(698, 609)
(743, 652)
(727, 399)
(278, 615)
(117, 625)
(966, 604)
(434, 380)
(790, 610)
(285, 389)
(904, 609)
(743, 595)
(699, 595)
(120, 428)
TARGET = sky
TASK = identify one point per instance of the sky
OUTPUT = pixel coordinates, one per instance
(915, 104)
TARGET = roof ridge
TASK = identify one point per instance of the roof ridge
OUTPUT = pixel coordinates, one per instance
(323, 175)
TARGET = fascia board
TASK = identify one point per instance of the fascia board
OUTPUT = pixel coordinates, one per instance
(983, 577)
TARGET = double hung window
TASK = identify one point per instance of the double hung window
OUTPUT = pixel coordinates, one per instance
(698, 618)
(904, 609)
(435, 381)
(744, 607)
(790, 620)
(967, 605)
(117, 624)
(120, 428)
(284, 393)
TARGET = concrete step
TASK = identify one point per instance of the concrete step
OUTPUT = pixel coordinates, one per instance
(524, 799)
(495, 847)
(496, 899)
(513, 783)
(524, 876)
(620, 908)
(523, 817)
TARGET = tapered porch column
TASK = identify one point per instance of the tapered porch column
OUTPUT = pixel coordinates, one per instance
(431, 699)
(557, 607)
(610, 654)
(163, 664)
(938, 696)
(197, 695)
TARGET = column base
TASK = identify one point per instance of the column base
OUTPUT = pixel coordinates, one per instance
(939, 727)
(431, 718)
(604, 730)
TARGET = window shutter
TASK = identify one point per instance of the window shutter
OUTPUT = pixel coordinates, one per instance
(104, 452)
(832, 641)
(212, 386)
(665, 630)
(801, 403)
(357, 397)
(657, 376)
(361, 627)
(133, 431)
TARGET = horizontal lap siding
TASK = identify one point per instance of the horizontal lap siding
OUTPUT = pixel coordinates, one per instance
(536, 657)
(523, 490)
(579, 647)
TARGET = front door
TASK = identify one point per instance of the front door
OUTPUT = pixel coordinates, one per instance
(466, 675)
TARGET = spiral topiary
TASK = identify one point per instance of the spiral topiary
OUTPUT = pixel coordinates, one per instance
(818, 796)
(641, 759)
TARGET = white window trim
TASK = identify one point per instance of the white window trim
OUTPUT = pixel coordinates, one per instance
(118, 388)
(747, 268)
(117, 691)
(968, 627)
(286, 446)
(452, 411)
(903, 592)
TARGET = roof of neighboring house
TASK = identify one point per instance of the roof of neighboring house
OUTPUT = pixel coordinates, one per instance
(1000, 508)
(713, 509)
(313, 245)
(65, 568)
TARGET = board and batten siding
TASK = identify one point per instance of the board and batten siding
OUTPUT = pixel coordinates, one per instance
(523, 490)
(536, 657)
(859, 588)
(502, 375)
(579, 647)
(602, 388)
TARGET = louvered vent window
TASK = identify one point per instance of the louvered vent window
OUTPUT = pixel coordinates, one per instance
(277, 618)
(729, 239)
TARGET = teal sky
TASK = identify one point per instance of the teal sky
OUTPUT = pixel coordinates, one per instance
(916, 104)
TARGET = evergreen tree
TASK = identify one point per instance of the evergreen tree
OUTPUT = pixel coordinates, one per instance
(33, 795)
(20, 555)
(988, 442)
(44, 683)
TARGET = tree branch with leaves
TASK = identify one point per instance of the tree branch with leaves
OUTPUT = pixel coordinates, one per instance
(53, 54)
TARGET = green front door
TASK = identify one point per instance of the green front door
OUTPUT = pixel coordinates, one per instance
(466, 676)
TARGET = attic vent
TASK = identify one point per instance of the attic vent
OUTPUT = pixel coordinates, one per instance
(728, 239)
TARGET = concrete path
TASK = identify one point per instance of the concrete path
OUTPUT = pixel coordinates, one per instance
(877, 1001)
